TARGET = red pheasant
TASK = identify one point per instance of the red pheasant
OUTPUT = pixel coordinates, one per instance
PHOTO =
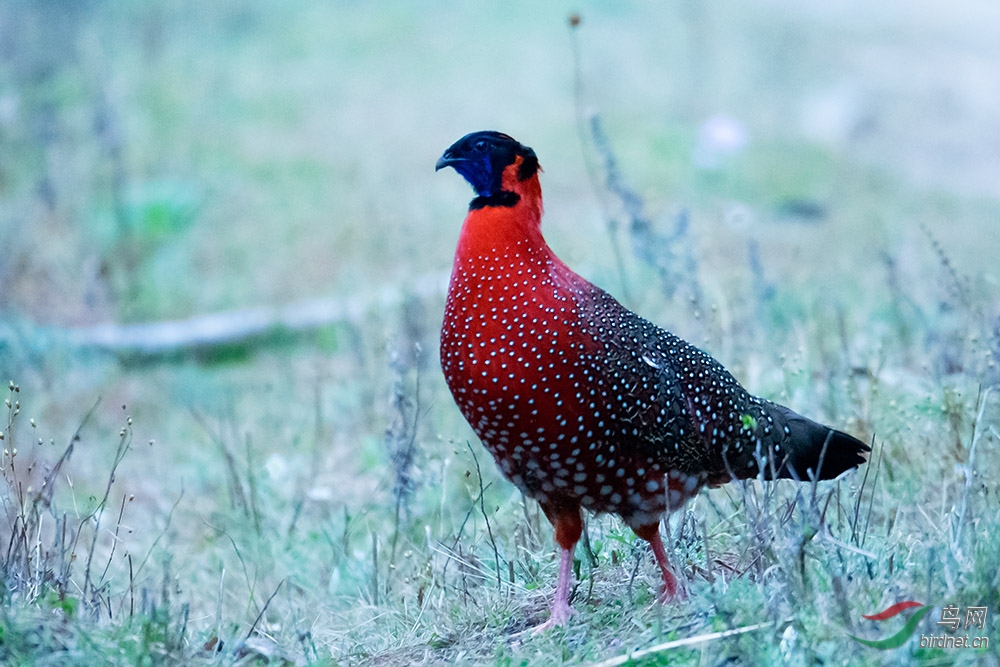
(583, 403)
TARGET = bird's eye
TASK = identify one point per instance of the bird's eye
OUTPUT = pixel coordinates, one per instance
(480, 146)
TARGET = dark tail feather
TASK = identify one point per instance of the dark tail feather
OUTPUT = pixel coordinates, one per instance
(812, 447)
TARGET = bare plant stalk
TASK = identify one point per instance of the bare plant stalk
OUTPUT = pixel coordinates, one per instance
(482, 508)
(114, 541)
(123, 446)
(131, 588)
(461, 529)
(374, 569)
(252, 486)
(237, 496)
(669, 255)
(401, 438)
(871, 500)
(970, 470)
(26, 562)
(584, 132)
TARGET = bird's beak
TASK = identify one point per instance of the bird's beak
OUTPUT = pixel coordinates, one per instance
(447, 160)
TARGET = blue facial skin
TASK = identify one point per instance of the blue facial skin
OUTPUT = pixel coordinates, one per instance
(481, 158)
(473, 157)
(479, 172)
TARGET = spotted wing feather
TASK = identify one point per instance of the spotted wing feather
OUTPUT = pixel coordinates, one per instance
(682, 407)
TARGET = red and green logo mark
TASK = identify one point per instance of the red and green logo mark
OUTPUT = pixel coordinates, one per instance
(898, 639)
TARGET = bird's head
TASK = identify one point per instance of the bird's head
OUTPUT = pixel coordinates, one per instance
(493, 163)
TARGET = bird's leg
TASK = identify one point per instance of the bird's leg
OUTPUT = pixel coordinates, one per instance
(651, 533)
(569, 526)
(560, 603)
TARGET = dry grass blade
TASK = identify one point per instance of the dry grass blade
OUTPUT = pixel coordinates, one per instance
(263, 610)
(681, 643)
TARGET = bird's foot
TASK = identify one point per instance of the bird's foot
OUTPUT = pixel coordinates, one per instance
(669, 590)
(672, 594)
(561, 611)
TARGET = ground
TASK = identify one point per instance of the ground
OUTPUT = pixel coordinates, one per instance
(808, 193)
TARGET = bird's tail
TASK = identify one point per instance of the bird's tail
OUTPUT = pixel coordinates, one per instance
(812, 450)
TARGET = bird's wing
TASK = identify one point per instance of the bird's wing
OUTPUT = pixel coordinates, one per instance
(677, 404)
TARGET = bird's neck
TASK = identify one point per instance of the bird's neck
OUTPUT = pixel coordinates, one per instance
(513, 226)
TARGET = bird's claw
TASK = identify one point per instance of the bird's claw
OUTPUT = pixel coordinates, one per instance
(557, 619)
(667, 595)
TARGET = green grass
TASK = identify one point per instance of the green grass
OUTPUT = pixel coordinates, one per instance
(318, 499)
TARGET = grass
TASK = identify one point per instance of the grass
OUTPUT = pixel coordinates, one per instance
(320, 500)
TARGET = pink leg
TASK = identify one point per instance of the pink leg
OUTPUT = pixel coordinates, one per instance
(652, 535)
(560, 603)
(568, 525)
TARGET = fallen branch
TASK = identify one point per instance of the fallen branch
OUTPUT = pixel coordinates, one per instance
(204, 332)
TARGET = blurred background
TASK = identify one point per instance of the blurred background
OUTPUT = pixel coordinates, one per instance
(803, 189)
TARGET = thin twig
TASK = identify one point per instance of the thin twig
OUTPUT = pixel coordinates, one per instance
(482, 508)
